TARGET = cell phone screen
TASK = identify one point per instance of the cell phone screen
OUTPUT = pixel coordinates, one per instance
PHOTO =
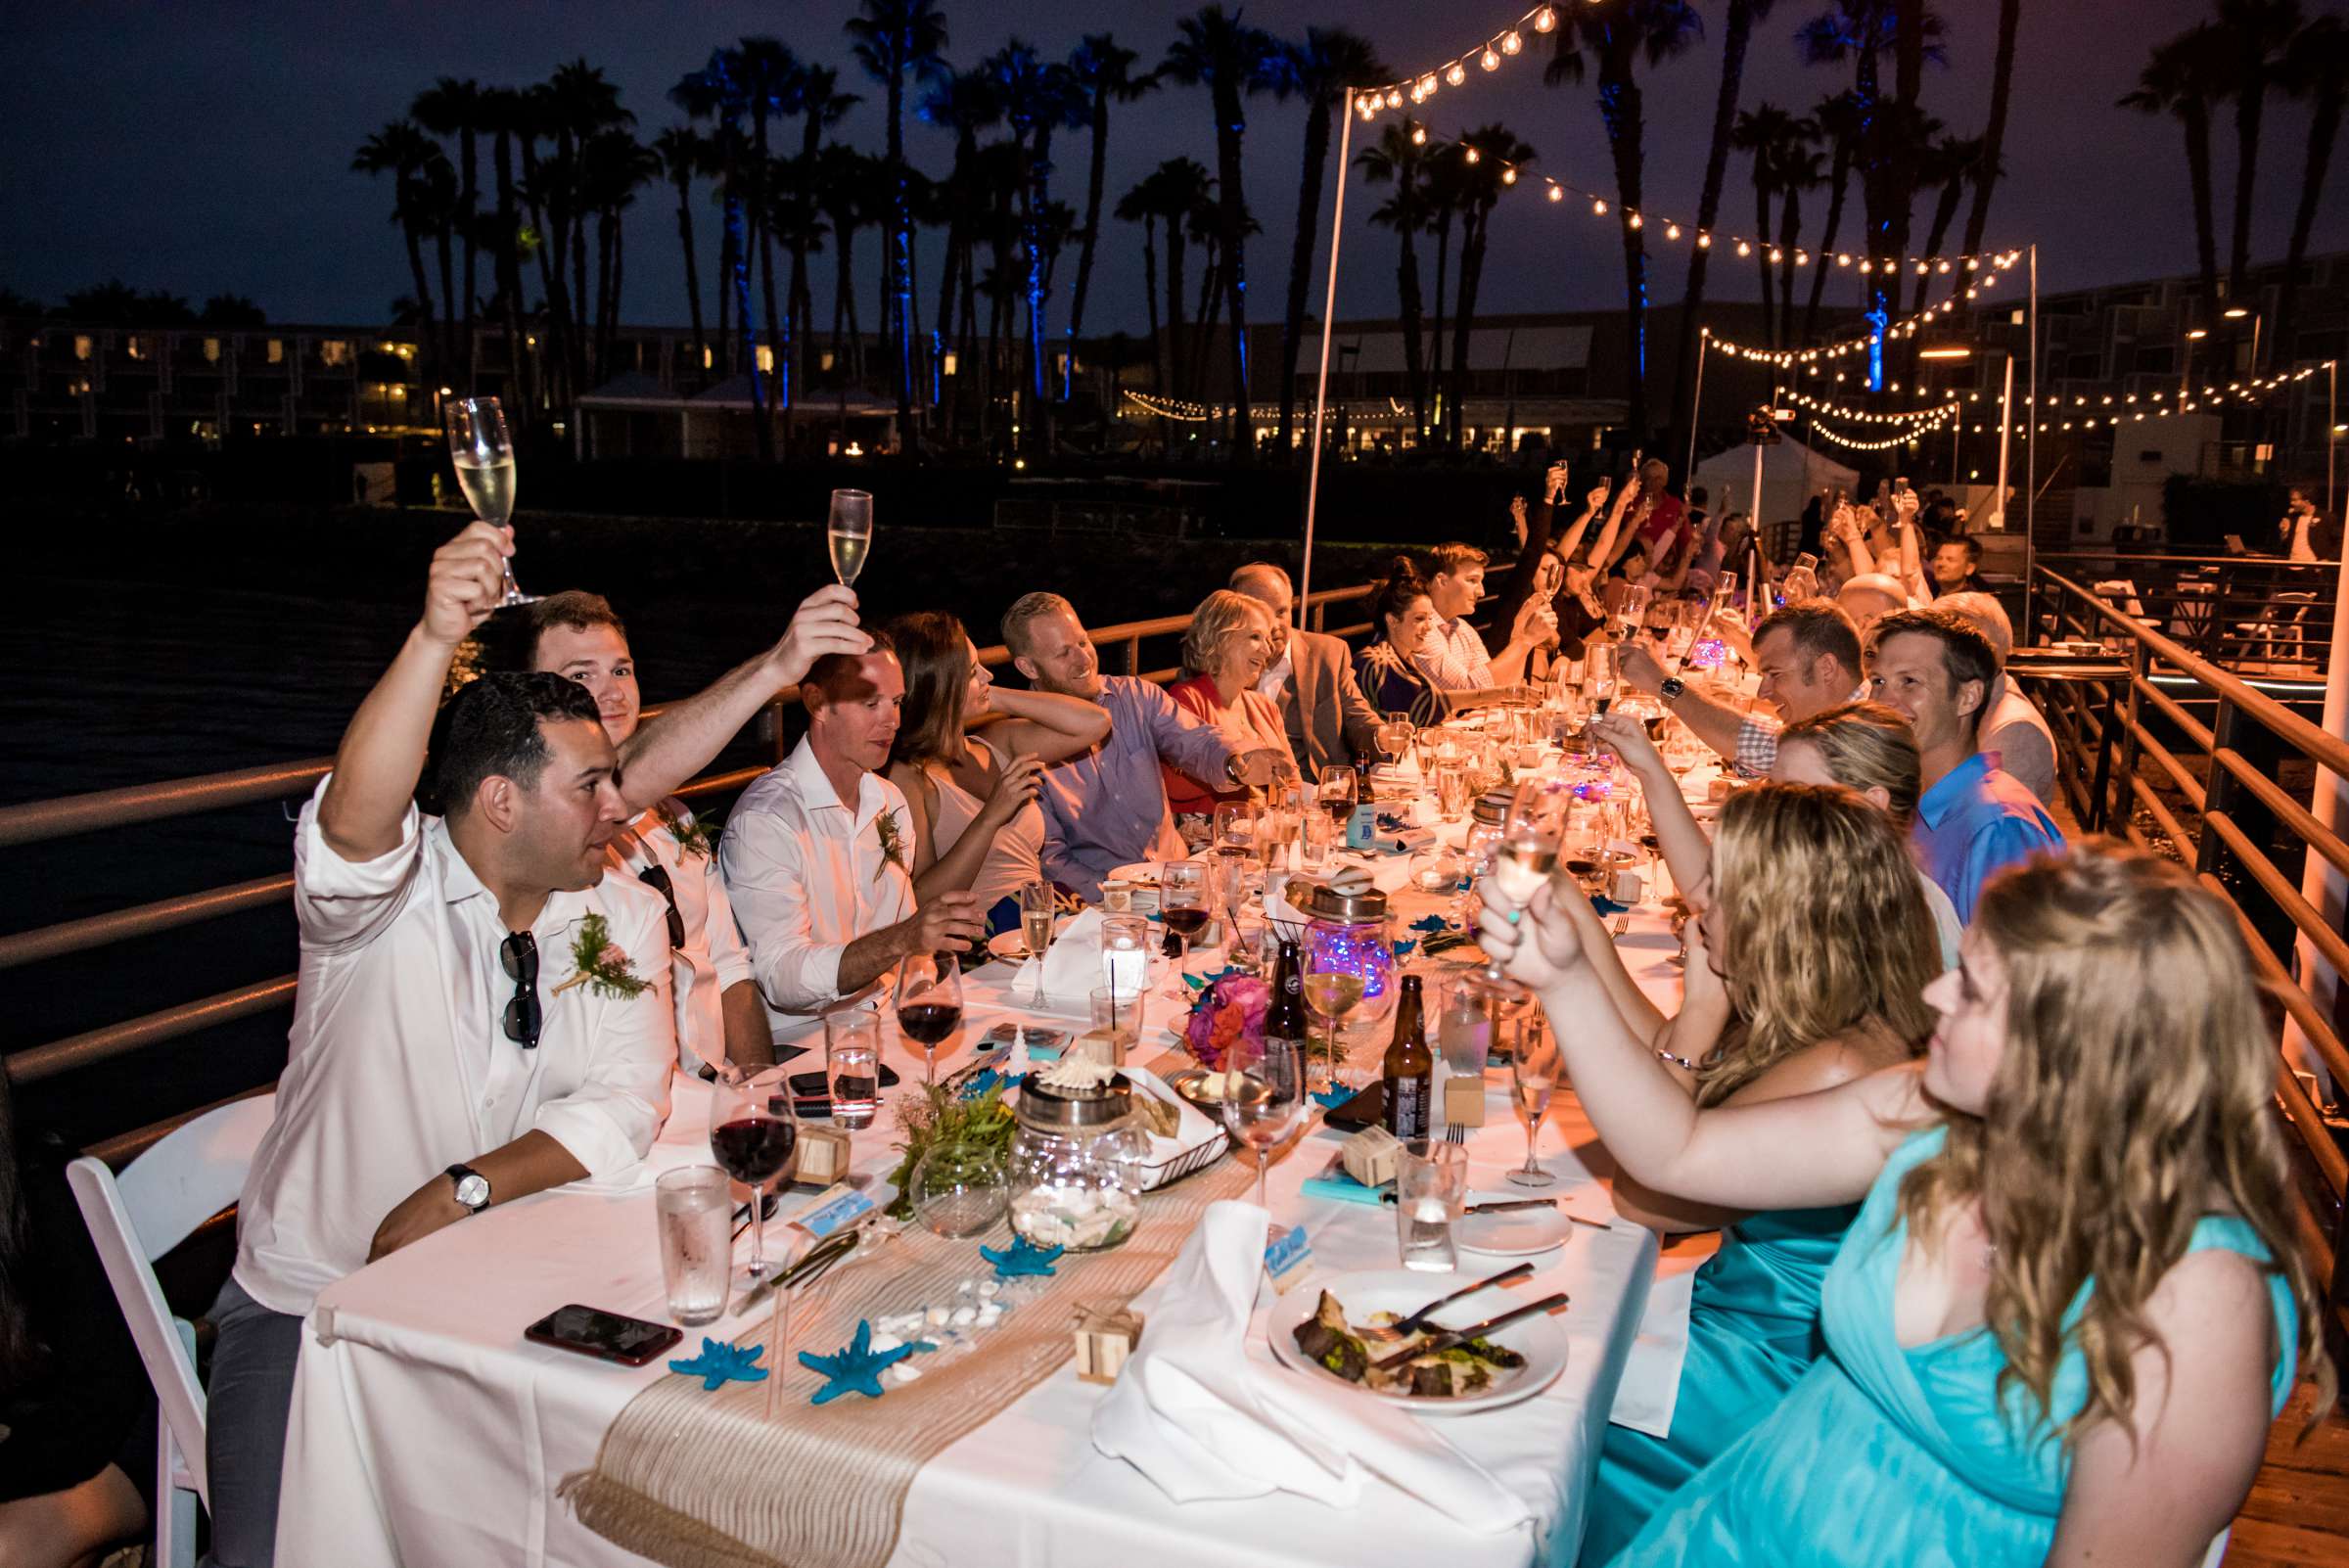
(596, 1332)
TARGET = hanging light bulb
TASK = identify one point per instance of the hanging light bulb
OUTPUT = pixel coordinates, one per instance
(1427, 84)
(1634, 220)
(1802, 258)
(1489, 60)
(1557, 193)
(1865, 265)
(1544, 20)
(1511, 43)
(1419, 136)
(1776, 254)
(1941, 266)
(1704, 241)
(1508, 174)
(1472, 154)
(1394, 98)
(1744, 249)
(1456, 73)
(1671, 231)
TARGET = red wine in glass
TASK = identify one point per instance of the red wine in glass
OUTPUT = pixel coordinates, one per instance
(753, 1136)
(755, 1150)
(1185, 923)
(929, 1022)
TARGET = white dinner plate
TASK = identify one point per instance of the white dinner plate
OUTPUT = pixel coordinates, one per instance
(1541, 1341)
(1144, 874)
(1513, 1232)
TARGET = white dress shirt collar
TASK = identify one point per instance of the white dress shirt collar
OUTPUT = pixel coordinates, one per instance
(1276, 678)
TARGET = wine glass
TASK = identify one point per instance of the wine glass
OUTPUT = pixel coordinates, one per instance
(1530, 838)
(850, 534)
(1532, 1080)
(1332, 992)
(1339, 788)
(484, 455)
(1599, 674)
(1264, 1098)
(753, 1132)
(1183, 904)
(1035, 929)
(929, 1004)
(1394, 739)
(1630, 613)
(1235, 827)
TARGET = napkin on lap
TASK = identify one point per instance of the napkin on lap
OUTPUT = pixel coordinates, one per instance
(1202, 1419)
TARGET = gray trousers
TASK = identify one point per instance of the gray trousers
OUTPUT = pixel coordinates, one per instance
(244, 1425)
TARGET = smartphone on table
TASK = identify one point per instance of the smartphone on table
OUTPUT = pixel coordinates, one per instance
(606, 1336)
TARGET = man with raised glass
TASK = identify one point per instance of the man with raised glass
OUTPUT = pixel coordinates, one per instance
(1808, 654)
(1328, 720)
(1107, 806)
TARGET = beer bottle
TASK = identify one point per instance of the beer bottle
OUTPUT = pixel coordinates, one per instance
(1284, 1015)
(1409, 1070)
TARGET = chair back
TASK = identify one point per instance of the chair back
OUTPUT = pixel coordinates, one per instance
(192, 1174)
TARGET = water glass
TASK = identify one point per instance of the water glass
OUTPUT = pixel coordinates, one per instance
(1316, 832)
(1431, 1189)
(1235, 826)
(852, 1066)
(694, 1207)
(1452, 792)
(1125, 954)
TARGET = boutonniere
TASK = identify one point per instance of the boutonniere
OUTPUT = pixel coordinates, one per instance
(601, 963)
(694, 835)
(893, 844)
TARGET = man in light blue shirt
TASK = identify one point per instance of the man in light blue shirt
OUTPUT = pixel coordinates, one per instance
(1105, 807)
(1974, 817)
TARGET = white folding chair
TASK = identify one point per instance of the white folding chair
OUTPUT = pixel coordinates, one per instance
(2218, 1549)
(189, 1176)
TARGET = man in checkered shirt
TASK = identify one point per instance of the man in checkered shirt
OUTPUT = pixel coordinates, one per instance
(1809, 656)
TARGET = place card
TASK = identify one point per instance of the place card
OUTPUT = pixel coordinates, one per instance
(1371, 1156)
(833, 1209)
(1288, 1256)
(1464, 1100)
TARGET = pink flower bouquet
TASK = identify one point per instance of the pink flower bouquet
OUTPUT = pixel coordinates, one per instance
(1230, 1011)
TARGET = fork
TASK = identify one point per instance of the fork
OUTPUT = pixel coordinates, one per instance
(1622, 924)
(1455, 1133)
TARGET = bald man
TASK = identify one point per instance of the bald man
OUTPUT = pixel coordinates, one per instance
(1869, 597)
(1329, 722)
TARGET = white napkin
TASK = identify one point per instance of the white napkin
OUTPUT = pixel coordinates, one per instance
(1651, 1373)
(1203, 1420)
(1072, 970)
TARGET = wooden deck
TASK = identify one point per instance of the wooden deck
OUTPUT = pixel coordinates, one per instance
(2298, 1512)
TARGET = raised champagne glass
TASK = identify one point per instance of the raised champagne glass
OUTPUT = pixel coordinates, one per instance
(848, 533)
(484, 456)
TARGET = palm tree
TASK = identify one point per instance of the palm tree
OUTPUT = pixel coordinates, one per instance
(1838, 120)
(1500, 156)
(685, 157)
(453, 108)
(578, 103)
(1763, 134)
(1617, 39)
(2262, 31)
(843, 181)
(1737, 35)
(1994, 133)
(714, 93)
(501, 113)
(1396, 157)
(1798, 170)
(402, 150)
(1140, 204)
(2178, 79)
(1038, 97)
(963, 104)
(768, 75)
(1217, 50)
(613, 163)
(816, 98)
(1443, 196)
(1183, 187)
(1325, 64)
(2319, 73)
(895, 39)
(1104, 72)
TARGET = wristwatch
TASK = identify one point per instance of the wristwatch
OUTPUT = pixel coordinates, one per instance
(1672, 687)
(1232, 769)
(473, 1187)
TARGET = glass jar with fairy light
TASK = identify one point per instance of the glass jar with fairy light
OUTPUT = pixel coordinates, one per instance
(1349, 957)
(1076, 1167)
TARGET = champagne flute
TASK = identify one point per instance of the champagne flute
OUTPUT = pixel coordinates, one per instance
(1264, 1098)
(754, 1133)
(929, 1004)
(850, 534)
(1394, 739)
(1035, 929)
(1530, 838)
(484, 455)
(1533, 1078)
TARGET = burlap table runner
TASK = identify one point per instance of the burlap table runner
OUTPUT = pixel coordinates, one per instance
(703, 1480)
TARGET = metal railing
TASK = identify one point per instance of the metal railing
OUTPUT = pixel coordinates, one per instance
(2251, 614)
(2201, 755)
(36, 821)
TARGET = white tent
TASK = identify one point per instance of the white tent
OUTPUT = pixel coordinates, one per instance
(1791, 474)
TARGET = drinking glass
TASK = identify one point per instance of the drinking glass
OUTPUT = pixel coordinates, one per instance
(1631, 612)
(1423, 750)
(1532, 1080)
(484, 455)
(753, 1132)
(1315, 834)
(694, 1207)
(1235, 827)
(1332, 992)
(1183, 904)
(1394, 739)
(1339, 788)
(848, 533)
(852, 1066)
(1451, 791)
(1264, 1098)
(929, 1004)
(1599, 677)
(1431, 1189)
(1035, 929)
(1230, 875)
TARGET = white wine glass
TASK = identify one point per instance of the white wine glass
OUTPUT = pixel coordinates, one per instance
(1333, 989)
(1532, 1080)
(1264, 1098)
(848, 533)
(484, 455)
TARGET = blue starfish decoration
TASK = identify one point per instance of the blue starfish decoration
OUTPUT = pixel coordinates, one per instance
(855, 1368)
(1022, 1257)
(981, 1081)
(1606, 906)
(1202, 982)
(1404, 949)
(1431, 925)
(1333, 1097)
(721, 1362)
(1391, 822)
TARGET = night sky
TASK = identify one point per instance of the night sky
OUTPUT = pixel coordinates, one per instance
(202, 148)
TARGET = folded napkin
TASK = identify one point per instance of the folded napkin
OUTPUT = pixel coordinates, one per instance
(1650, 1389)
(1203, 1420)
(1072, 970)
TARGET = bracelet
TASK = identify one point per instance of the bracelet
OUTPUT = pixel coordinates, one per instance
(1681, 1062)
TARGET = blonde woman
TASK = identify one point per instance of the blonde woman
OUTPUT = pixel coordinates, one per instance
(1224, 654)
(2073, 1302)
(1804, 971)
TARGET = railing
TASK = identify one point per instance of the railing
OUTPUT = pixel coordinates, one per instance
(2253, 614)
(2201, 751)
(35, 821)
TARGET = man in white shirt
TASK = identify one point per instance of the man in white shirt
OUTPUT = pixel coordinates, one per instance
(1454, 657)
(720, 1014)
(818, 855)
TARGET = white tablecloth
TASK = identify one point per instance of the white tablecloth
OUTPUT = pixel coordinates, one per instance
(426, 1431)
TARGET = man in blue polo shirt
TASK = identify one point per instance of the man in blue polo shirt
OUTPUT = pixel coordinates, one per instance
(1974, 817)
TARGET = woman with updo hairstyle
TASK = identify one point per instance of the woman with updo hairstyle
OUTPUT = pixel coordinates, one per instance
(1401, 617)
(2074, 1300)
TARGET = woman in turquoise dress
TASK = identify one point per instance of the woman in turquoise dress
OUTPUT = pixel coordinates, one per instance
(2073, 1302)
(1813, 911)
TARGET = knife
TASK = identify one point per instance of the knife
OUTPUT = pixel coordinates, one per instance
(1520, 1203)
(1405, 1325)
(1453, 1337)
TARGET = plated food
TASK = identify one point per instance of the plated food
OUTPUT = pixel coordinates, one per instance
(1364, 1355)
(1355, 1312)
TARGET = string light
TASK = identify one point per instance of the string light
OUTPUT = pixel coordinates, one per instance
(1841, 440)
(1177, 409)
(1833, 410)
(1786, 358)
(1504, 43)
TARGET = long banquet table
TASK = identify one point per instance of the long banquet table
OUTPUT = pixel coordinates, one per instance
(426, 1431)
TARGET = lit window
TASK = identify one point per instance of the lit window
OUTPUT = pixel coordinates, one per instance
(81, 346)
(137, 345)
(766, 360)
(211, 350)
(826, 362)
(333, 351)
(951, 357)
(78, 386)
(277, 355)
(708, 358)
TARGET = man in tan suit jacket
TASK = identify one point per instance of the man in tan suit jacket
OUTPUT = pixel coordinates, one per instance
(1329, 721)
